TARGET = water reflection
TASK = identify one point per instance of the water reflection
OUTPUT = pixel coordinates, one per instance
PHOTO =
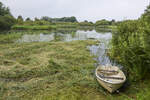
(100, 50)
(67, 37)
(36, 38)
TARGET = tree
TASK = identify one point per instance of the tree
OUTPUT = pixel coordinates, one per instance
(6, 22)
(4, 10)
(20, 20)
(112, 22)
(63, 19)
(45, 18)
(102, 22)
(86, 21)
(36, 19)
(6, 19)
(28, 19)
(73, 19)
(146, 15)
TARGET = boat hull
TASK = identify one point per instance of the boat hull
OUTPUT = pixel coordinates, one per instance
(111, 86)
(108, 86)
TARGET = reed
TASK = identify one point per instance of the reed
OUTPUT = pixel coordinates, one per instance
(129, 47)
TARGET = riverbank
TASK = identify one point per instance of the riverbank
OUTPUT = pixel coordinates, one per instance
(56, 70)
(52, 27)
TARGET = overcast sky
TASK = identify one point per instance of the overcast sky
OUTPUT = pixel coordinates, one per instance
(90, 10)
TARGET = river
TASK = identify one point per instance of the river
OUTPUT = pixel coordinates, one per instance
(99, 50)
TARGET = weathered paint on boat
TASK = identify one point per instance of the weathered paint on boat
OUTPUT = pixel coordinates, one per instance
(111, 84)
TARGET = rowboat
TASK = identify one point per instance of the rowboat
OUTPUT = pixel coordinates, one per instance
(110, 77)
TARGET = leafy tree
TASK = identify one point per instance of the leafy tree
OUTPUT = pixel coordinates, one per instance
(63, 19)
(86, 21)
(4, 10)
(6, 22)
(45, 18)
(28, 19)
(20, 20)
(102, 22)
(6, 19)
(146, 15)
(72, 19)
(112, 22)
(36, 19)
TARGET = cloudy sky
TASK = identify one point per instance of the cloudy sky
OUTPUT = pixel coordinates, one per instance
(90, 10)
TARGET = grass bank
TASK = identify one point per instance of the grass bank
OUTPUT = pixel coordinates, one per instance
(64, 26)
(47, 71)
(33, 27)
(55, 71)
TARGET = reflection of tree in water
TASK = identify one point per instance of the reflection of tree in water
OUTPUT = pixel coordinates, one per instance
(86, 28)
(60, 33)
(58, 37)
(66, 30)
(103, 30)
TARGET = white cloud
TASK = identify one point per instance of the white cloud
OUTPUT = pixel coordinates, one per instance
(91, 10)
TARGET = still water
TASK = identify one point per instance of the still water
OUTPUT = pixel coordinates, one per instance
(99, 50)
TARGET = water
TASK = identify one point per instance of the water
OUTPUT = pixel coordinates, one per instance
(99, 50)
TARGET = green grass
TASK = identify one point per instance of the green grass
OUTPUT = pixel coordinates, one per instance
(9, 38)
(33, 27)
(27, 70)
(56, 71)
(13, 35)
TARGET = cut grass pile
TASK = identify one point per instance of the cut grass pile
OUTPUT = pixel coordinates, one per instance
(47, 71)
(55, 71)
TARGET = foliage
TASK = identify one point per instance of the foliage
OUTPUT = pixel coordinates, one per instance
(49, 68)
(131, 46)
(4, 10)
(20, 20)
(102, 22)
(53, 71)
(63, 19)
(6, 22)
(35, 27)
(86, 23)
(6, 19)
(28, 19)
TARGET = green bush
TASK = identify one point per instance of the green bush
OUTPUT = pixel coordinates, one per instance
(6, 22)
(6, 19)
(131, 46)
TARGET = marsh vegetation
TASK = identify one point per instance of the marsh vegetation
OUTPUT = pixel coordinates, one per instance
(55, 58)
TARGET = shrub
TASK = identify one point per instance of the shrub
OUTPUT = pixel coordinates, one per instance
(130, 47)
(6, 22)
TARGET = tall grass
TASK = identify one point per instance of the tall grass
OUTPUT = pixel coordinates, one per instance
(130, 47)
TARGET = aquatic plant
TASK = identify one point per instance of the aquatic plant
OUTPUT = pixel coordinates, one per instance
(131, 47)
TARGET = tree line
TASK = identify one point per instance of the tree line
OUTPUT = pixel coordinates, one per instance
(7, 20)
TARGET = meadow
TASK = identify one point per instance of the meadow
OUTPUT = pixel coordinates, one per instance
(60, 70)
(55, 70)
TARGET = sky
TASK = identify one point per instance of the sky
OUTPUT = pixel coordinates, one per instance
(91, 10)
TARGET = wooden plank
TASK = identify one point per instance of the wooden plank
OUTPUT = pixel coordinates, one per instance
(113, 71)
(117, 78)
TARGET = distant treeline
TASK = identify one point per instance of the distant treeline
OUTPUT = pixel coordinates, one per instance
(7, 21)
(47, 20)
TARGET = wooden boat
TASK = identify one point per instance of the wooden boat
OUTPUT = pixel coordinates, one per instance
(110, 77)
